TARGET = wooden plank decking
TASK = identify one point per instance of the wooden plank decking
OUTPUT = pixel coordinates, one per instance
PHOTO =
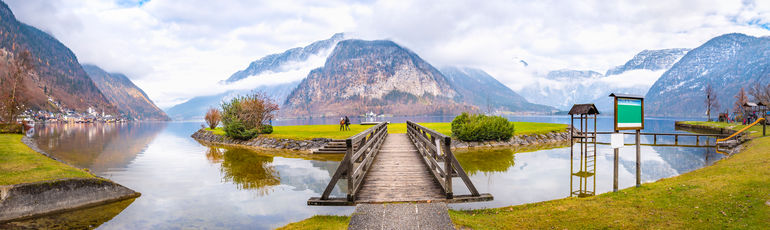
(399, 174)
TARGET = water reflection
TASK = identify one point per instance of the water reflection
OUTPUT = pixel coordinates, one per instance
(543, 174)
(97, 146)
(88, 218)
(583, 177)
(247, 170)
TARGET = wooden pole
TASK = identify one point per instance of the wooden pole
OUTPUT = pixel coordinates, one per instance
(615, 170)
(347, 158)
(638, 160)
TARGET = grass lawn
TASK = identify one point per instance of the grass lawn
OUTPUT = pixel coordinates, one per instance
(305, 132)
(20, 164)
(320, 222)
(733, 193)
(755, 131)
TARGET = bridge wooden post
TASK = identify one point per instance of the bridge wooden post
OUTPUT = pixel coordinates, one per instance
(448, 168)
(349, 145)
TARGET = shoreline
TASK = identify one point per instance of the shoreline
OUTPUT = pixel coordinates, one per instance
(41, 198)
(307, 146)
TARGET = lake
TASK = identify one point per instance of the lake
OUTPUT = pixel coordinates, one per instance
(185, 184)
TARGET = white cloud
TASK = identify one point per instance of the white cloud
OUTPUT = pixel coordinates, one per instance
(177, 49)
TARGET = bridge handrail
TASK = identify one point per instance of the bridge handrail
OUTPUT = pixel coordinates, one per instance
(434, 147)
(670, 134)
(359, 155)
(742, 130)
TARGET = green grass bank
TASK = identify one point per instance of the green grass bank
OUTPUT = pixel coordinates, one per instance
(319, 223)
(21, 164)
(306, 132)
(734, 193)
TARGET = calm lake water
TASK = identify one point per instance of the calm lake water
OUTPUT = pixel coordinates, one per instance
(188, 185)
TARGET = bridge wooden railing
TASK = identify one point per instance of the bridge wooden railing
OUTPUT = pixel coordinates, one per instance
(361, 150)
(434, 148)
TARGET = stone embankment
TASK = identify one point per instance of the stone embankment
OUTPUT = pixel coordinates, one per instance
(28, 200)
(262, 142)
(520, 140)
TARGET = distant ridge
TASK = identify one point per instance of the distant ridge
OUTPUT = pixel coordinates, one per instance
(59, 75)
(127, 97)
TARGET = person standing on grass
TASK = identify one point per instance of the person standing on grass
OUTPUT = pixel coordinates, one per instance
(342, 124)
(347, 123)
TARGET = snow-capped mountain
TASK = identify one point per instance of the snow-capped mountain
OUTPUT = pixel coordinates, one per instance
(650, 60)
(563, 88)
(727, 62)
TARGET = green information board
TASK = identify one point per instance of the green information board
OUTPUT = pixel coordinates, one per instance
(629, 113)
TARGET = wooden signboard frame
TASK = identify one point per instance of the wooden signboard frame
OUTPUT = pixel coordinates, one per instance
(630, 97)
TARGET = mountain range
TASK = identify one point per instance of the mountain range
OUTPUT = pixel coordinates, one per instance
(727, 62)
(361, 76)
(566, 87)
(57, 75)
(59, 82)
(260, 69)
(127, 97)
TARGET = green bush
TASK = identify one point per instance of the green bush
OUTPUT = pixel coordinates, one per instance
(237, 130)
(479, 127)
(266, 129)
(244, 117)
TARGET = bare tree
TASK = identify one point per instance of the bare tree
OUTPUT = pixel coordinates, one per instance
(740, 99)
(258, 109)
(11, 102)
(760, 92)
(711, 101)
(213, 116)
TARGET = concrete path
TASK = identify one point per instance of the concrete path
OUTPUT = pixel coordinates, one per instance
(401, 216)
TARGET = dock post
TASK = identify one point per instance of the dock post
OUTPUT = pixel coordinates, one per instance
(615, 170)
(347, 158)
(638, 160)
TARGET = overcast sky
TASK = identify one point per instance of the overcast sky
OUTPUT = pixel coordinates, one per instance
(177, 49)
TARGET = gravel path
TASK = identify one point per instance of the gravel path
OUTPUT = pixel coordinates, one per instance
(401, 216)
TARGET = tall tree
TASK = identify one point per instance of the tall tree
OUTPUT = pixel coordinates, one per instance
(740, 99)
(711, 101)
(11, 103)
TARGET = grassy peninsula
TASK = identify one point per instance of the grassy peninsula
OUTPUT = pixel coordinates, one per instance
(21, 164)
(306, 132)
(755, 131)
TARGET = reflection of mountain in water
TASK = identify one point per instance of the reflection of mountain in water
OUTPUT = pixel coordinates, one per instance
(676, 160)
(652, 170)
(310, 175)
(252, 170)
(97, 146)
(685, 159)
(249, 171)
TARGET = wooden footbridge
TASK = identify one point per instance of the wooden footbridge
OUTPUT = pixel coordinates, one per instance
(417, 166)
